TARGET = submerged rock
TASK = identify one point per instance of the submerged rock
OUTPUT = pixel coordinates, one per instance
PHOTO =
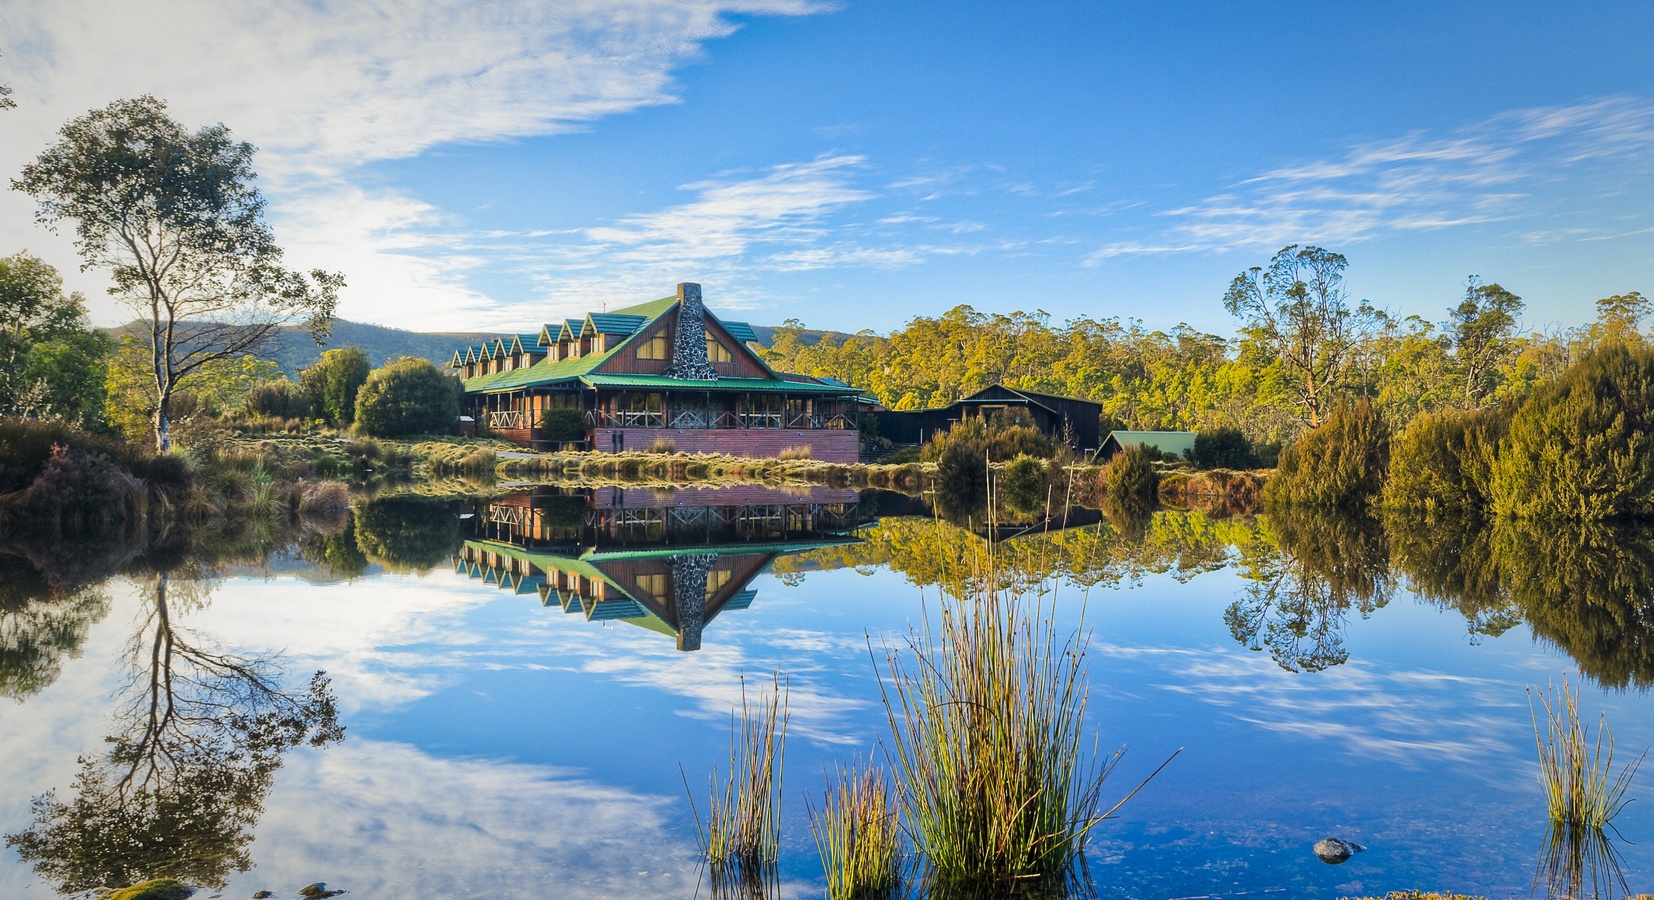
(264, 895)
(155, 889)
(1333, 851)
(317, 890)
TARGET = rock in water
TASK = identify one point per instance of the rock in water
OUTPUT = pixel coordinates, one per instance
(1333, 851)
(264, 895)
(317, 890)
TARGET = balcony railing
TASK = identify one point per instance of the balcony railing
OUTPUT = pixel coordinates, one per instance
(501, 420)
(705, 419)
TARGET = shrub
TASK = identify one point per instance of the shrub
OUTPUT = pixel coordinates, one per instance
(667, 446)
(961, 480)
(563, 424)
(1223, 448)
(333, 383)
(801, 451)
(1443, 461)
(409, 396)
(1580, 447)
(26, 447)
(278, 399)
(1023, 486)
(1340, 464)
(901, 457)
(1129, 479)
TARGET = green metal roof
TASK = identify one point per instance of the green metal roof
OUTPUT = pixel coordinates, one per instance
(539, 374)
(662, 382)
(1166, 441)
(651, 310)
(615, 323)
(740, 331)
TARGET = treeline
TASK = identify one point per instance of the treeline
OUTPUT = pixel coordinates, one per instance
(1300, 346)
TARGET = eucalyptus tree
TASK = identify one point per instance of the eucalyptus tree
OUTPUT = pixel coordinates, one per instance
(6, 102)
(1299, 312)
(1483, 328)
(174, 218)
(39, 325)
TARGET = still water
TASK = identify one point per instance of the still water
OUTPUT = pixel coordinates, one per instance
(516, 690)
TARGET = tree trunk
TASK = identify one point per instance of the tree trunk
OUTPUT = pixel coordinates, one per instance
(163, 425)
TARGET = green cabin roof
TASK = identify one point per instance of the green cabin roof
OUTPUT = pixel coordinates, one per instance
(1175, 442)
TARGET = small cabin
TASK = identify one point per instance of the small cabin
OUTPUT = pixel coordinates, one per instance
(1066, 419)
(1177, 443)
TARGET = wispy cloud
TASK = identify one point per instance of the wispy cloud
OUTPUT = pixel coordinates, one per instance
(1490, 172)
(323, 88)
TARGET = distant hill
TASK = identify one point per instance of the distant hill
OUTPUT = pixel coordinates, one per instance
(293, 349)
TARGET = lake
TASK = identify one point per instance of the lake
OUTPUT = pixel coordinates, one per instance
(524, 685)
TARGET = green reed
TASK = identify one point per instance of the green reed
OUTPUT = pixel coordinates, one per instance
(1581, 790)
(742, 832)
(858, 835)
(996, 775)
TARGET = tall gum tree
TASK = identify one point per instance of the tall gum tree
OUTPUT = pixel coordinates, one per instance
(174, 218)
(1298, 311)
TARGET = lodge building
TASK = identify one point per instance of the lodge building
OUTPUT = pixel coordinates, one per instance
(662, 373)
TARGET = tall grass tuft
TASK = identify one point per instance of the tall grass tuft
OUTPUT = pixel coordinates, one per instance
(996, 777)
(1581, 790)
(742, 833)
(858, 835)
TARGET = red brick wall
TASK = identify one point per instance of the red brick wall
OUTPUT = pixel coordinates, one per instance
(826, 444)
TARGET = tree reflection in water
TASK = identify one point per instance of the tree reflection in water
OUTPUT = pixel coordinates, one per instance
(40, 626)
(1298, 604)
(199, 736)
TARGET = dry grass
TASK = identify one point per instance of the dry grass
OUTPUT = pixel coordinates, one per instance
(800, 451)
(742, 832)
(858, 835)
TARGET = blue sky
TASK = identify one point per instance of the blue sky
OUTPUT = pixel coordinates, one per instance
(493, 165)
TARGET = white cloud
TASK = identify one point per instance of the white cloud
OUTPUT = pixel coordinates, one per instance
(323, 88)
(1489, 172)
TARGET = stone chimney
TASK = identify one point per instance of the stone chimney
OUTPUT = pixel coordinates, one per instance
(689, 596)
(689, 360)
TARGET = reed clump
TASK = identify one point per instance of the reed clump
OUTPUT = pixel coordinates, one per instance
(858, 834)
(997, 778)
(1581, 789)
(741, 835)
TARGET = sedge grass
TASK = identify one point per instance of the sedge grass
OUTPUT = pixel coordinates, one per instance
(1581, 789)
(858, 835)
(995, 774)
(742, 833)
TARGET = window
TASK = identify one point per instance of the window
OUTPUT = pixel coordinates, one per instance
(716, 580)
(716, 351)
(653, 348)
(653, 585)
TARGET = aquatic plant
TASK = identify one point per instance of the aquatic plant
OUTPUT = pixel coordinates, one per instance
(987, 710)
(1581, 790)
(858, 835)
(742, 831)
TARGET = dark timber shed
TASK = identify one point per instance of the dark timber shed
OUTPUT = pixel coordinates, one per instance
(1063, 418)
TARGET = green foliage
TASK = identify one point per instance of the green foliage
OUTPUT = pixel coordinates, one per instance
(281, 399)
(1340, 464)
(1023, 486)
(51, 359)
(1129, 482)
(1443, 461)
(1581, 448)
(1483, 326)
(563, 423)
(333, 382)
(962, 481)
(409, 396)
(408, 534)
(1224, 447)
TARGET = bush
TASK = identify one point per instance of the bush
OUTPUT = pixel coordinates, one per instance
(1129, 479)
(961, 480)
(409, 396)
(1580, 449)
(334, 382)
(1340, 464)
(1223, 448)
(1023, 487)
(278, 399)
(26, 447)
(563, 424)
(1443, 461)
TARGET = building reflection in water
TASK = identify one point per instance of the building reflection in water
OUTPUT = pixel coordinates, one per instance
(668, 561)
